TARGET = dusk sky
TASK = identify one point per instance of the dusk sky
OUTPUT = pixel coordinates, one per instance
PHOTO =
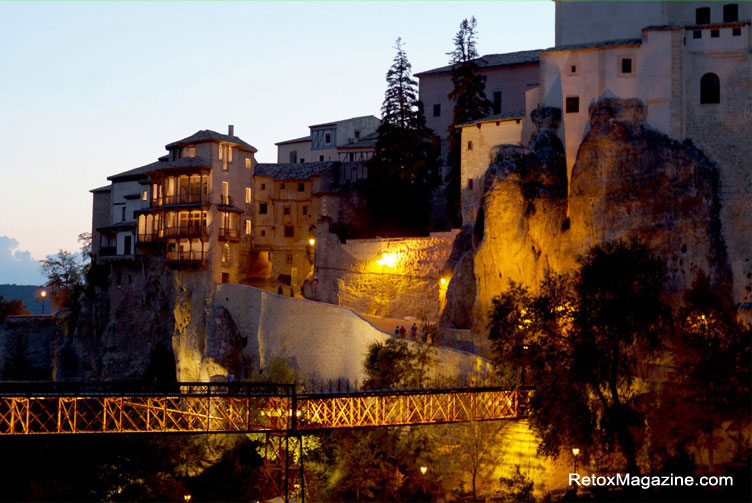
(90, 89)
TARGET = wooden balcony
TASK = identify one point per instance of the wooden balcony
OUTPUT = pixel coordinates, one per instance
(229, 234)
(187, 256)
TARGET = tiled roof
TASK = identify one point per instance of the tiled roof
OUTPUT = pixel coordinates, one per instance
(134, 174)
(185, 162)
(626, 42)
(297, 171)
(366, 141)
(209, 135)
(295, 140)
(494, 60)
(496, 117)
(343, 120)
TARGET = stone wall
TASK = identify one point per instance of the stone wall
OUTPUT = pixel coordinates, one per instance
(27, 346)
(393, 278)
(321, 341)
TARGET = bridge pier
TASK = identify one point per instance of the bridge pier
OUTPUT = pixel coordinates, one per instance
(283, 467)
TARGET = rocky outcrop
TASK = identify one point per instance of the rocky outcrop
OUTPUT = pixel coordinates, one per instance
(223, 350)
(629, 181)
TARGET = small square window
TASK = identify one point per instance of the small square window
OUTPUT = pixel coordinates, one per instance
(263, 186)
(573, 69)
(697, 34)
(736, 32)
(288, 258)
(469, 145)
(262, 208)
(626, 65)
(286, 210)
(328, 138)
(263, 234)
(301, 187)
(282, 186)
(289, 231)
(321, 158)
(437, 110)
(573, 104)
(305, 210)
(357, 134)
(469, 184)
(715, 33)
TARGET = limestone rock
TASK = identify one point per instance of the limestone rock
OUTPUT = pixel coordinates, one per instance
(223, 351)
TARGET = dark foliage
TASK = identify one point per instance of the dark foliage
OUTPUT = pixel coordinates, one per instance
(13, 307)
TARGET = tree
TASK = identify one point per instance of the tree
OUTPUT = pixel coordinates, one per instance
(13, 307)
(581, 339)
(404, 171)
(393, 364)
(470, 103)
(65, 278)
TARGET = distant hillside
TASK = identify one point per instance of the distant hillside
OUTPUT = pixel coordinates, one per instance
(26, 293)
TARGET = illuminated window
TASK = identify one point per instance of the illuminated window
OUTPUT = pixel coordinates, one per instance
(144, 195)
(189, 151)
(248, 227)
(225, 253)
(225, 193)
(247, 163)
(248, 195)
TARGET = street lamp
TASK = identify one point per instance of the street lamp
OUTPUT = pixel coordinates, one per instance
(575, 452)
(43, 294)
(423, 470)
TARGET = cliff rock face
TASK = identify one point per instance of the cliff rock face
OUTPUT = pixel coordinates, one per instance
(628, 181)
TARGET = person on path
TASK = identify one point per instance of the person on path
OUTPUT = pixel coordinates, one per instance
(396, 331)
(414, 331)
(402, 331)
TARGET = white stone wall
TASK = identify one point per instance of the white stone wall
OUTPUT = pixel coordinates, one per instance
(349, 275)
(321, 341)
(476, 159)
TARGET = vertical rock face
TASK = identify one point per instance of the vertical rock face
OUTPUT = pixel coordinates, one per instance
(628, 181)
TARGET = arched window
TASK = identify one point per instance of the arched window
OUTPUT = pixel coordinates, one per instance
(710, 88)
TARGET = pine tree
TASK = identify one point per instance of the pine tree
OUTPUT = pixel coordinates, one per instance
(405, 169)
(470, 103)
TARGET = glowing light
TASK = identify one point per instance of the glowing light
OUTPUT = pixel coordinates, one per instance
(575, 451)
(423, 469)
(44, 293)
(387, 259)
(442, 281)
(311, 241)
(187, 497)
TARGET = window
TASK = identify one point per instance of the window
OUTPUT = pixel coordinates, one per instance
(123, 214)
(289, 231)
(282, 186)
(189, 151)
(573, 69)
(144, 195)
(301, 187)
(263, 233)
(469, 145)
(715, 33)
(225, 155)
(293, 157)
(497, 102)
(263, 186)
(736, 32)
(730, 13)
(288, 258)
(262, 208)
(247, 227)
(305, 210)
(286, 210)
(697, 34)
(710, 89)
(702, 15)
(321, 158)
(225, 193)
(469, 184)
(225, 253)
(128, 245)
(302, 160)
(327, 138)
(626, 65)
(437, 110)
(247, 195)
(247, 163)
(351, 156)
(357, 134)
(225, 277)
(572, 104)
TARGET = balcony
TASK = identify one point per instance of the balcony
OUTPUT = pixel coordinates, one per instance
(187, 231)
(180, 199)
(107, 251)
(187, 256)
(229, 234)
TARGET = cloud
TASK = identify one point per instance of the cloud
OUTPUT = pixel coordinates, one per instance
(17, 266)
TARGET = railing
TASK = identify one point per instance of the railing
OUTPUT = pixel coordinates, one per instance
(229, 233)
(106, 251)
(187, 256)
(240, 408)
(187, 231)
(180, 199)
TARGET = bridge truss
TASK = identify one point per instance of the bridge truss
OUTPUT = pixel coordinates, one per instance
(277, 410)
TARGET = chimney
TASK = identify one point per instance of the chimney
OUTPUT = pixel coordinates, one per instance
(231, 130)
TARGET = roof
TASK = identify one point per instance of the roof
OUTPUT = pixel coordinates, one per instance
(367, 141)
(209, 135)
(106, 188)
(297, 171)
(295, 140)
(118, 226)
(135, 173)
(520, 114)
(493, 61)
(625, 42)
(344, 120)
(185, 162)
